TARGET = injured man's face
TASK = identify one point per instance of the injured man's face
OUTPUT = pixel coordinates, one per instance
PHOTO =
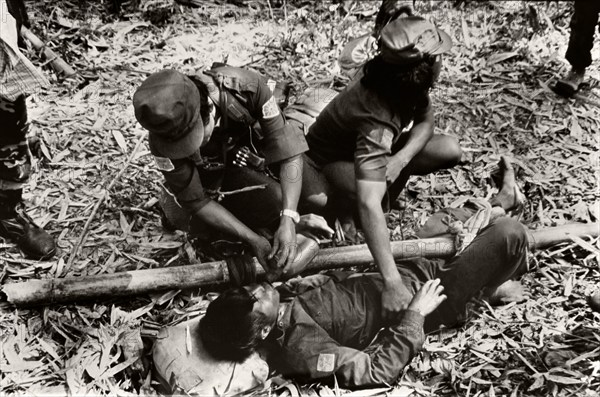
(266, 300)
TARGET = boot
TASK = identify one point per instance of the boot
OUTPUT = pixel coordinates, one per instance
(31, 239)
(569, 85)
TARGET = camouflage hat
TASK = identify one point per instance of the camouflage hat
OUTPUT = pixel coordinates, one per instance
(406, 40)
(167, 104)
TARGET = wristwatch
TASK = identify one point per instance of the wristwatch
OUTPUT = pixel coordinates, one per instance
(292, 214)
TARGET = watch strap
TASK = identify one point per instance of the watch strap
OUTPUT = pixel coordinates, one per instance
(292, 214)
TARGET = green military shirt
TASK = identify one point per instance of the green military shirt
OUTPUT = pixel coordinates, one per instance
(244, 98)
(329, 329)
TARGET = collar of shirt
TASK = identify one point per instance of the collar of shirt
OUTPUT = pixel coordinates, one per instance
(283, 320)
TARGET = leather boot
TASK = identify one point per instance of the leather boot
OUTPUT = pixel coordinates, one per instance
(31, 239)
(569, 85)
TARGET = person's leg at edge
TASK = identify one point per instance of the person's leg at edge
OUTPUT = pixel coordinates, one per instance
(497, 254)
(15, 167)
(581, 42)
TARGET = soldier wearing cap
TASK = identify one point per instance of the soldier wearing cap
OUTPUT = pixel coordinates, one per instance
(360, 49)
(197, 158)
(375, 134)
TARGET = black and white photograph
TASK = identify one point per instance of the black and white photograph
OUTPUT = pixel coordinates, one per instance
(286, 198)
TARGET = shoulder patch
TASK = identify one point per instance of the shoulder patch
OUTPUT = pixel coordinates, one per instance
(270, 109)
(326, 362)
(164, 163)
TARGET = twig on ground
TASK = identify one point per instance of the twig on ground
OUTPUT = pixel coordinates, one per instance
(82, 237)
(221, 194)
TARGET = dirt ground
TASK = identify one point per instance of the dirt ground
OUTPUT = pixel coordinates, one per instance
(493, 95)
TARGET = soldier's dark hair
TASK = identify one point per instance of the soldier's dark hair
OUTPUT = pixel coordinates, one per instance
(399, 82)
(230, 330)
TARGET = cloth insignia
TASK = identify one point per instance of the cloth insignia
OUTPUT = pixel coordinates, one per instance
(270, 109)
(271, 84)
(164, 163)
(326, 362)
(387, 138)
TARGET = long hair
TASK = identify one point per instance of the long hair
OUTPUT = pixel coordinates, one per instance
(403, 87)
(230, 330)
(400, 81)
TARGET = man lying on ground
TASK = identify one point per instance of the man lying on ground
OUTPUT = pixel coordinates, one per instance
(329, 326)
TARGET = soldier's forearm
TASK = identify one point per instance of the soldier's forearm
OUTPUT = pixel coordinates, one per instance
(290, 176)
(218, 217)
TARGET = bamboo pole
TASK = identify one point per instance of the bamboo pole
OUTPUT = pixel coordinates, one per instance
(57, 63)
(193, 276)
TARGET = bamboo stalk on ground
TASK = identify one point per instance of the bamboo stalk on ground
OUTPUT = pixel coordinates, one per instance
(99, 202)
(181, 277)
(57, 63)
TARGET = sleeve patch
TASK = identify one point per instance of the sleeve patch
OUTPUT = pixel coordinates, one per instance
(326, 362)
(164, 163)
(270, 109)
(272, 84)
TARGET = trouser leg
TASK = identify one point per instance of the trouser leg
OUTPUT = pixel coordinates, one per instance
(581, 40)
(498, 253)
(15, 167)
(257, 209)
(15, 161)
(316, 190)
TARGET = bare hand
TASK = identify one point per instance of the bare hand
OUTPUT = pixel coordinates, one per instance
(394, 298)
(428, 298)
(284, 244)
(315, 225)
(261, 248)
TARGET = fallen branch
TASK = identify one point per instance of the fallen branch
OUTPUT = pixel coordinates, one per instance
(82, 237)
(58, 64)
(198, 275)
(221, 195)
